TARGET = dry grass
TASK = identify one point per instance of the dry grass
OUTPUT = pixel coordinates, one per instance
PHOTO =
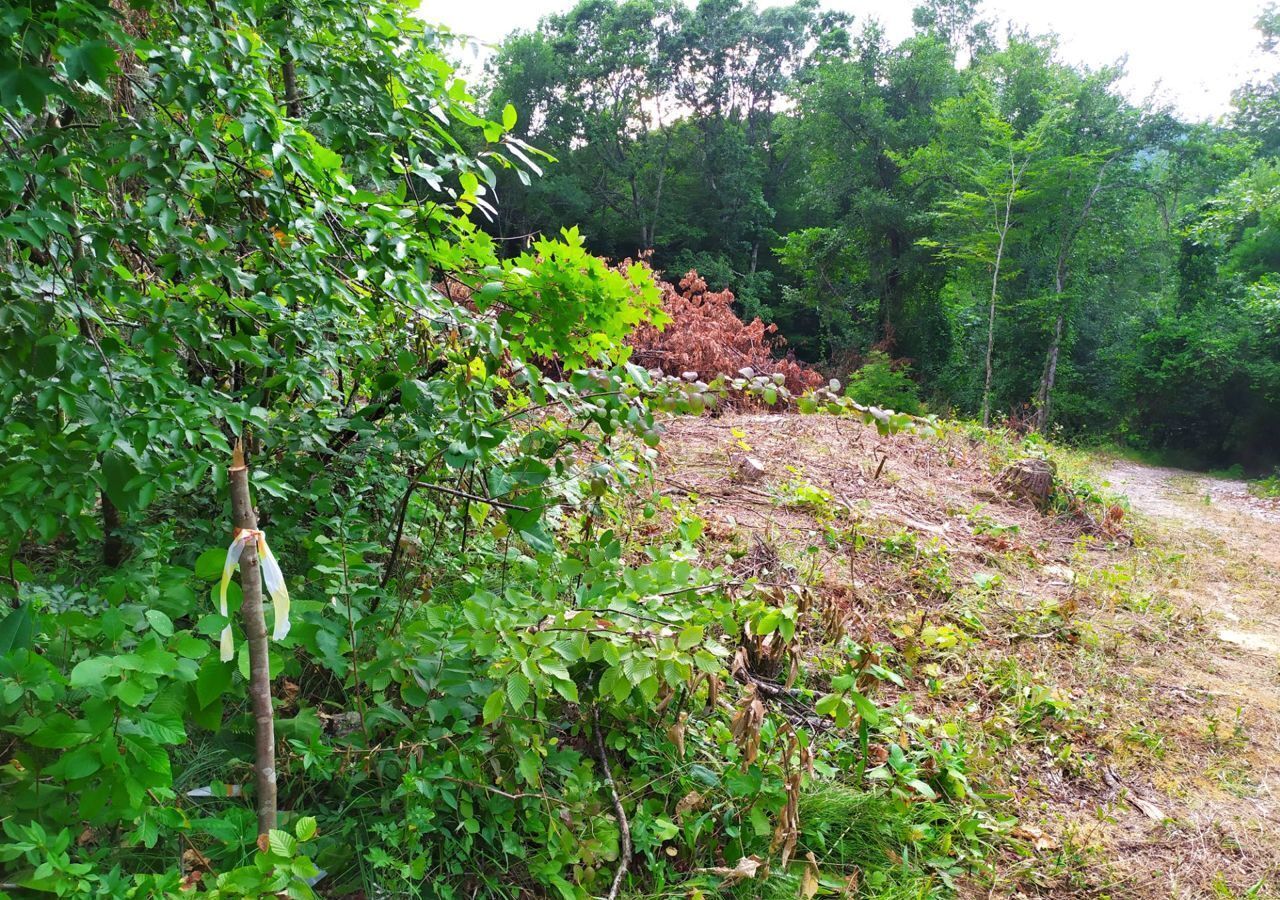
(1085, 674)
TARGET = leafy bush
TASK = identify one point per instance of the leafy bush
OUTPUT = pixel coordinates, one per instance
(1266, 487)
(882, 381)
(488, 683)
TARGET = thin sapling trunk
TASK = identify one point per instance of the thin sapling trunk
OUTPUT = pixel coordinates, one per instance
(255, 632)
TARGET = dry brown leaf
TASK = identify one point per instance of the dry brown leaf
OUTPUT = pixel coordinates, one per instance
(688, 803)
(676, 733)
(194, 859)
(191, 881)
(809, 878)
(746, 724)
(1035, 837)
(1147, 808)
(746, 868)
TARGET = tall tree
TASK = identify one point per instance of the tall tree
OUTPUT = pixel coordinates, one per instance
(984, 160)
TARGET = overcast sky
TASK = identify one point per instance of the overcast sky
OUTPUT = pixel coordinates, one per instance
(1188, 52)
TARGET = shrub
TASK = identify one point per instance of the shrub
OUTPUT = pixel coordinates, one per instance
(883, 381)
(707, 337)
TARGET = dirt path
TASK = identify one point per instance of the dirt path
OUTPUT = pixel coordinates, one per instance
(1218, 695)
(1247, 527)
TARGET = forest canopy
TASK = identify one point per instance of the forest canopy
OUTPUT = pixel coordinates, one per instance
(1002, 220)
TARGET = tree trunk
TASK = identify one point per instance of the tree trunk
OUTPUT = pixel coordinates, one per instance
(991, 326)
(255, 633)
(1045, 398)
(1002, 229)
(112, 545)
(288, 71)
(289, 75)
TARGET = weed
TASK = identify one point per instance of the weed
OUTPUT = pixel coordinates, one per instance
(1266, 487)
(801, 493)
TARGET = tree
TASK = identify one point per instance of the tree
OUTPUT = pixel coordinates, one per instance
(979, 154)
(853, 253)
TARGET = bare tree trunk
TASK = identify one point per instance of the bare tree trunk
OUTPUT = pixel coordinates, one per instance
(991, 316)
(1002, 229)
(1045, 398)
(288, 70)
(255, 632)
(289, 75)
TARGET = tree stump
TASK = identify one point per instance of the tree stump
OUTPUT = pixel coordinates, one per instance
(750, 469)
(1029, 479)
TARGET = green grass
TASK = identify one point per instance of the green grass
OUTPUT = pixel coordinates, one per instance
(882, 843)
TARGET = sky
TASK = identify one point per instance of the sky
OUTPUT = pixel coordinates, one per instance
(1190, 53)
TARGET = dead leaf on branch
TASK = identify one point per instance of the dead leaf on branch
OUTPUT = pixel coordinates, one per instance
(746, 725)
(809, 878)
(676, 733)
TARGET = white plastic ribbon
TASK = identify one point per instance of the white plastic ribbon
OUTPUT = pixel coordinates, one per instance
(271, 574)
(274, 578)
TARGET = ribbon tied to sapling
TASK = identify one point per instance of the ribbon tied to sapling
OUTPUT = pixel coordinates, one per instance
(271, 575)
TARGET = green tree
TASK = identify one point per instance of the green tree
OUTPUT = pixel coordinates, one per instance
(853, 254)
(984, 161)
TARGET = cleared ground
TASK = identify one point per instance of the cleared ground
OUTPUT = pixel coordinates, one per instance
(1112, 666)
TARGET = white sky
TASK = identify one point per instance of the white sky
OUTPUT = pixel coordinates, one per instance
(1191, 53)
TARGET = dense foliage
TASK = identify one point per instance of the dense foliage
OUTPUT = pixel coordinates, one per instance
(1034, 242)
(249, 224)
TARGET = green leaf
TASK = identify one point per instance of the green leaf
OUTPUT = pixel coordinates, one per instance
(922, 789)
(517, 690)
(160, 622)
(282, 843)
(566, 689)
(209, 564)
(305, 828)
(213, 680)
(91, 61)
(17, 630)
(93, 671)
(494, 707)
(80, 763)
(690, 637)
(865, 708)
(162, 731)
(131, 690)
(117, 471)
(530, 766)
(827, 705)
(26, 84)
(191, 647)
(509, 117)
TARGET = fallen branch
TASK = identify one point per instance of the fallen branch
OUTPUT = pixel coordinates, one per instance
(624, 842)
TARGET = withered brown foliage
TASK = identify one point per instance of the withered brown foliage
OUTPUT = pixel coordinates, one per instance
(707, 337)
